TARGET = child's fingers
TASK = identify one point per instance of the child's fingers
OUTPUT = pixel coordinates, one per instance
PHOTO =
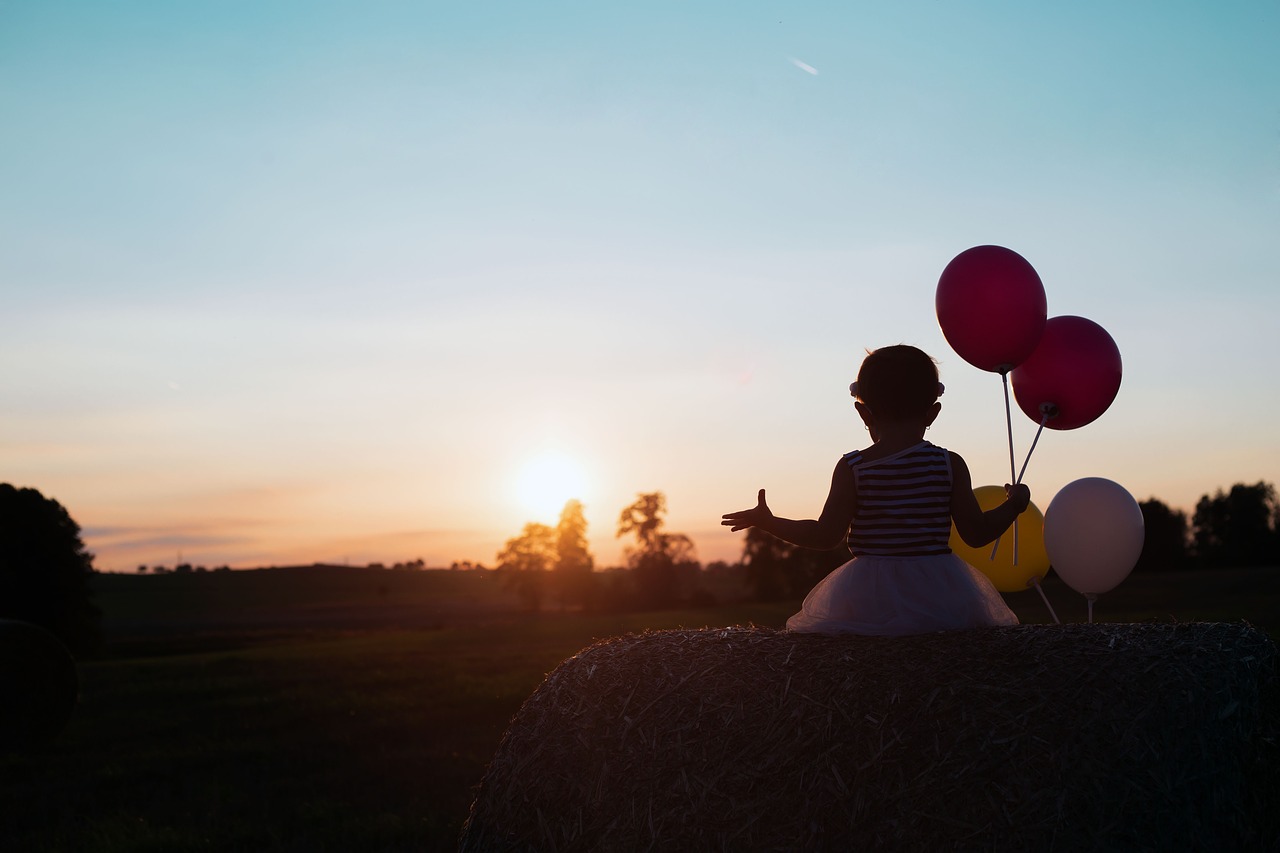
(742, 519)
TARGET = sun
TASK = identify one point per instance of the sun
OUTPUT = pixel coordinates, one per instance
(546, 481)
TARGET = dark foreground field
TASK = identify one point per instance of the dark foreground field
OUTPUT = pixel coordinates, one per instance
(357, 711)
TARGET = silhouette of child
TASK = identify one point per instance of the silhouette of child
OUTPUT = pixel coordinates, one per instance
(894, 503)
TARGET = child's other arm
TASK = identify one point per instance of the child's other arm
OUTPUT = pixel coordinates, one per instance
(822, 533)
(978, 528)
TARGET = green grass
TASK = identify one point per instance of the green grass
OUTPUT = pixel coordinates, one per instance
(341, 739)
(221, 594)
(1211, 595)
(363, 741)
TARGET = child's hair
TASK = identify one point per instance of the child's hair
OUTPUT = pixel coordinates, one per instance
(898, 382)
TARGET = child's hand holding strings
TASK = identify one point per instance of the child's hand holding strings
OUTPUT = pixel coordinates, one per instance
(757, 516)
(1018, 495)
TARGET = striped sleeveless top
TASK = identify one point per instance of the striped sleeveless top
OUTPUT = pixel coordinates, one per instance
(904, 503)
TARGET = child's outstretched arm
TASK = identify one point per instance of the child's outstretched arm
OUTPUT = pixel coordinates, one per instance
(822, 533)
(978, 528)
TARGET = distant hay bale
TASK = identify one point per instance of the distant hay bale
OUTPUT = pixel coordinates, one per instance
(1071, 737)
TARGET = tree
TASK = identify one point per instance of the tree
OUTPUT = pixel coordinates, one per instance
(1237, 528)
(765, 558)
(574, 563)
(663, 564)
(1164, 544)
(526, 559)
(45, 569)
(644, 519)
(776, 569)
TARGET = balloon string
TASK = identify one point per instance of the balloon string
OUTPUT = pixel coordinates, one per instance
(996, 546)
(1008, 424)
(1040, 590)
(1091, 599)
(1008, 418)
(1044, 419)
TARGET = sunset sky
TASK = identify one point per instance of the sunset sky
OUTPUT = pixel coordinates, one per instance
(289, 282)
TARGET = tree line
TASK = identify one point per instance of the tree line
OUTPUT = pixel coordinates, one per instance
(1239, 527)
(546, 563)
(45, 567)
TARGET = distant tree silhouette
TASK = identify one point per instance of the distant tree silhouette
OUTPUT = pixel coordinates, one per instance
(1237, 528)
(765, 558)
(644, 519)
(45, 569)
(526, 560)
(1165, 538)
(573, 579)
(775, 569)
(663, 564)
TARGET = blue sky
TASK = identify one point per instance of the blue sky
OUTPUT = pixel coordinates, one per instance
(302, 281)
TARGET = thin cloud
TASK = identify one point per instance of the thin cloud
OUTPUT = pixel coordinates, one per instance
(804, 66)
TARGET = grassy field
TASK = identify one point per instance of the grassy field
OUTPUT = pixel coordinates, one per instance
(358, 711)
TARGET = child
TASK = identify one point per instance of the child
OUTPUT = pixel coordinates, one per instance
(894, 502)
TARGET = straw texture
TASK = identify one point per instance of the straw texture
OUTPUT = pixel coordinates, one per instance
(1034, 737)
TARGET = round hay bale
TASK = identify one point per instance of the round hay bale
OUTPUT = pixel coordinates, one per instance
(1070, 737)
(39, 685)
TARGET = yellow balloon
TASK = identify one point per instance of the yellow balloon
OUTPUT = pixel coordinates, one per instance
(1033, 560)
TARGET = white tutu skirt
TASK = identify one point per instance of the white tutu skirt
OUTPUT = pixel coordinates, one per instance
(896, 596)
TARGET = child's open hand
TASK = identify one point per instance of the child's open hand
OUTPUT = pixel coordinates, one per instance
(757, 516)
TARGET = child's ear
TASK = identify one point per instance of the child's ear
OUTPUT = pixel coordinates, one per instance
(864, 411)
(933, 413)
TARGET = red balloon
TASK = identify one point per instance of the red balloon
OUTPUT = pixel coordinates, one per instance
(1073, 375)
(991, 307)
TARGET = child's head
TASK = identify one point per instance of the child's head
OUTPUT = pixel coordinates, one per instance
(898, 383)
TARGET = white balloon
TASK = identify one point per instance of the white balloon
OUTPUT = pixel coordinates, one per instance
(1093, 533)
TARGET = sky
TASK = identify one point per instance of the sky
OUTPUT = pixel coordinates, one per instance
(294, 282)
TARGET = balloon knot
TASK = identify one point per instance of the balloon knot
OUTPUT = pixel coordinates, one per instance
(1049, 410)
